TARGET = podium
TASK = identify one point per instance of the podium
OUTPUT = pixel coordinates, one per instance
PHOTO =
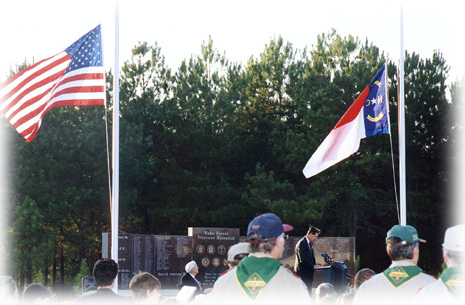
(336, 274)
(88, 284)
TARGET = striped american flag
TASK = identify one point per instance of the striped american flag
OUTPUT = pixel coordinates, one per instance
(74, 77)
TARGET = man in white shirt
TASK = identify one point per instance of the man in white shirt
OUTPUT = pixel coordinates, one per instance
(450, 288)
(400, 282)
(260, 278)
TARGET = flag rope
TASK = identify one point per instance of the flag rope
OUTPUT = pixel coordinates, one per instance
(392, 158)
(108, 157)
(394, 178)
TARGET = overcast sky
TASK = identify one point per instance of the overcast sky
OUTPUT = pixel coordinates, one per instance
(34, 30)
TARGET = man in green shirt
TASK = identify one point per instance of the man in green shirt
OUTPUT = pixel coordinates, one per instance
(449, 289)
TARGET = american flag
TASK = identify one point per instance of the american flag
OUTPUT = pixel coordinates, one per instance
(74, 77)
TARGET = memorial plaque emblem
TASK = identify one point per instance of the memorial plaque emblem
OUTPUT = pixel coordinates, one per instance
(205, 262)
(200, 249)
(216, 262)
(221, 250)
(215, 243)
(211, 249)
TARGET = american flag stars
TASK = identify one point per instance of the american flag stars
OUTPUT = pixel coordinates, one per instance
(86, 52)
(74, 77)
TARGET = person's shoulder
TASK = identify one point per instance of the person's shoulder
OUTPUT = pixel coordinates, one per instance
(302, 240)
(428, 278)
(186, 277)
(426, 289)
(426, 275)
(225, 279)
(435, 291)
(289, 279)
(371, 281)
(283, 271)
(88, 298)
(228, 271)
(88, 295)
(374, 276)
(101, 294)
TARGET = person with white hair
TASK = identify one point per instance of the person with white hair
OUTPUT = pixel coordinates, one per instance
(8, 290)
(450, 287)
(189, 278)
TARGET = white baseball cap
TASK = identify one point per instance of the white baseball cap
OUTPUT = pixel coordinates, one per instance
(454, 239)
(240, 248)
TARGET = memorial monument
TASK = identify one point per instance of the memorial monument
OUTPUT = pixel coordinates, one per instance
(165, 256)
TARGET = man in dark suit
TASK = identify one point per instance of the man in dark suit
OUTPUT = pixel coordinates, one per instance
(189, 278)
(105, 272)
(305, 258)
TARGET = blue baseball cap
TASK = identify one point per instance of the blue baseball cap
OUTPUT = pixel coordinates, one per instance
(268, 225)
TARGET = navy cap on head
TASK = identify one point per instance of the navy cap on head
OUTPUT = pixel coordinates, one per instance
(268, 225)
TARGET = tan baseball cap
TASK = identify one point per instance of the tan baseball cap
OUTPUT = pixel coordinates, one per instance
(240, 248)
(454, 238)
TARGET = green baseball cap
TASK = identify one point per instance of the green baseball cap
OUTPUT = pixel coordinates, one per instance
(407, 234)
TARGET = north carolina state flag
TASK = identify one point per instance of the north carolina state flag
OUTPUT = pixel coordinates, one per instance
(367, 116)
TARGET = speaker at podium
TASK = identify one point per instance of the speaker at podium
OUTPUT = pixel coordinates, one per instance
(335, 273)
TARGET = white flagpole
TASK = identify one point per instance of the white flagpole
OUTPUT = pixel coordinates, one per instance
(403, 204)
(115, 149)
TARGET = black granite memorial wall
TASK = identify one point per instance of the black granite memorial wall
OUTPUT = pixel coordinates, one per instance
(165, 256)
(211, 247)
(172, 254)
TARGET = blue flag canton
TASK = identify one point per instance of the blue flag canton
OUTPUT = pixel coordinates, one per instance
(87, 51)
(375, 110)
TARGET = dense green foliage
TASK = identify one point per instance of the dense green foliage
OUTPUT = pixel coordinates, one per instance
(215, 143)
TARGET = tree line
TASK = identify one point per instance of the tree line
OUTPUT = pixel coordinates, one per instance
(214, 143)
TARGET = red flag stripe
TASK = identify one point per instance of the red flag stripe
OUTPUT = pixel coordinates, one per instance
(30, 91)
(354, 109)
(75, 76)
(86, 102)
(31, 131)
(66, 83)
(78, 90)
(37, 100)
(94, 82)
(31, 116)
(32, 74)
(21, 73)
(22, 101)
(86, 76)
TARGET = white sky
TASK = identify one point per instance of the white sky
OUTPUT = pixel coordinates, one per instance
(241, 28)
(39, 29)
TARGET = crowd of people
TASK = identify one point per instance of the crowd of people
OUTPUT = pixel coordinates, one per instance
(256, 276)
